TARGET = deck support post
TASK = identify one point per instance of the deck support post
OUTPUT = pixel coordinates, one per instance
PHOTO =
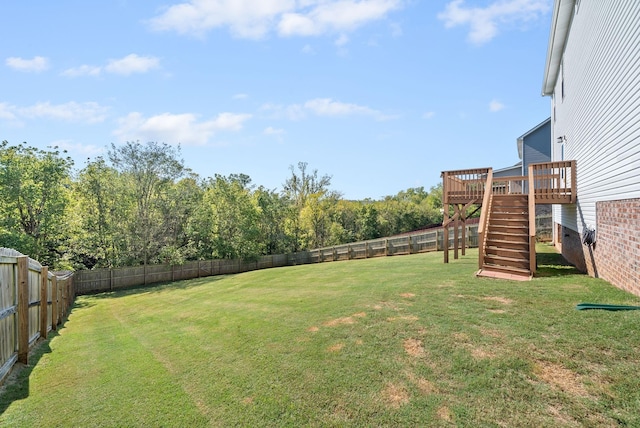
(445, 234)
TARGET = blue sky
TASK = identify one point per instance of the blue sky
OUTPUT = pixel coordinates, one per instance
(380, 94)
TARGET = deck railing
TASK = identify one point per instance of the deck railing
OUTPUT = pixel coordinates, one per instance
(553, 183)
(463, 185)
(484, 220)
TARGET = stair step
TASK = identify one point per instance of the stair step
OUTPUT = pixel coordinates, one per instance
(513, 201)
(493, 260)
(507, 269)
(510, 245)
(512, 228)
(499, 215)
(510, 212)
(509, 220)
(509, 237)
(516, 253)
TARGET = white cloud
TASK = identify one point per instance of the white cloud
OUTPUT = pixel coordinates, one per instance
(125, 66)
(245, 18)
(176, 128)
(132, 64)
(291, 112)
(89, 112)
(36, 64)
(485, 22)
(7, 112)
(334, 16)
(240, 96)
(429, 114)
(256, 19)
(322, 107)
(83, 70)
(495, 106)
(329, 107)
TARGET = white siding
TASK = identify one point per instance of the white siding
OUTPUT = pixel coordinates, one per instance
(600, 111)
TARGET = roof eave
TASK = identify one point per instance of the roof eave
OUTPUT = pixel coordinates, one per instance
(560, 23)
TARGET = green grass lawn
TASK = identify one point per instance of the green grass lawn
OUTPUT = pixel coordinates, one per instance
(397, 341)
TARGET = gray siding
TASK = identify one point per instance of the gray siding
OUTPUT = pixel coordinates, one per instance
(536, 146)
(513, 171)
(600, 111)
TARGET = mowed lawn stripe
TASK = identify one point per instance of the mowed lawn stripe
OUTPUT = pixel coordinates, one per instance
(96, 373)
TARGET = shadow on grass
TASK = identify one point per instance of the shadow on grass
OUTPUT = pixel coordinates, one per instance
(16, 385)
(552, 264)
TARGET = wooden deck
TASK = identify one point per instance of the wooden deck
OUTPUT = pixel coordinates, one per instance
(545, 183)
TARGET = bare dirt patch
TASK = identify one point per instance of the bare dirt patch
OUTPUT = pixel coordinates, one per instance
(497, 311)
(481, 354)
(247, 400)
(426, 387)
(414, 347)
(560, 377)
(445, 414)
(313, 329)
(336, 348)
(359, 315)
(395, 395)
(339, 321)
(407, 295)
(499, 299)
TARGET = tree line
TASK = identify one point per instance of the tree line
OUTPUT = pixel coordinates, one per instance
(140, 204)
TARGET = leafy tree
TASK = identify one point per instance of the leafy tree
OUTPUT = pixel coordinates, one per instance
(235, 218)
(273, 214)
(151, 169)
(98, 212)
(33, 197)
(305, 192)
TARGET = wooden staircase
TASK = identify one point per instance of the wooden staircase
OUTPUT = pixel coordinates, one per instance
(507, 244)
(507, 229)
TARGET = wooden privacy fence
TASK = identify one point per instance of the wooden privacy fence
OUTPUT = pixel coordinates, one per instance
(33, 301)
(101, 280)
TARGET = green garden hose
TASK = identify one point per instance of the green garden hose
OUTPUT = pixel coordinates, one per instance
(584, 306)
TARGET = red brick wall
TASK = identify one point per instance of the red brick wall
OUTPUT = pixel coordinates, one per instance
(616, 254)
(618, 243)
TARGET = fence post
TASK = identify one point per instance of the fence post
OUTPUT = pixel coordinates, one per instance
(54, 303)
(409, 242)
(23, 309)
(386, 247)
(44, 281)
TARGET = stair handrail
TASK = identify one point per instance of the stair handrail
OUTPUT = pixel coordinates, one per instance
(484, 217)
(532, 222)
